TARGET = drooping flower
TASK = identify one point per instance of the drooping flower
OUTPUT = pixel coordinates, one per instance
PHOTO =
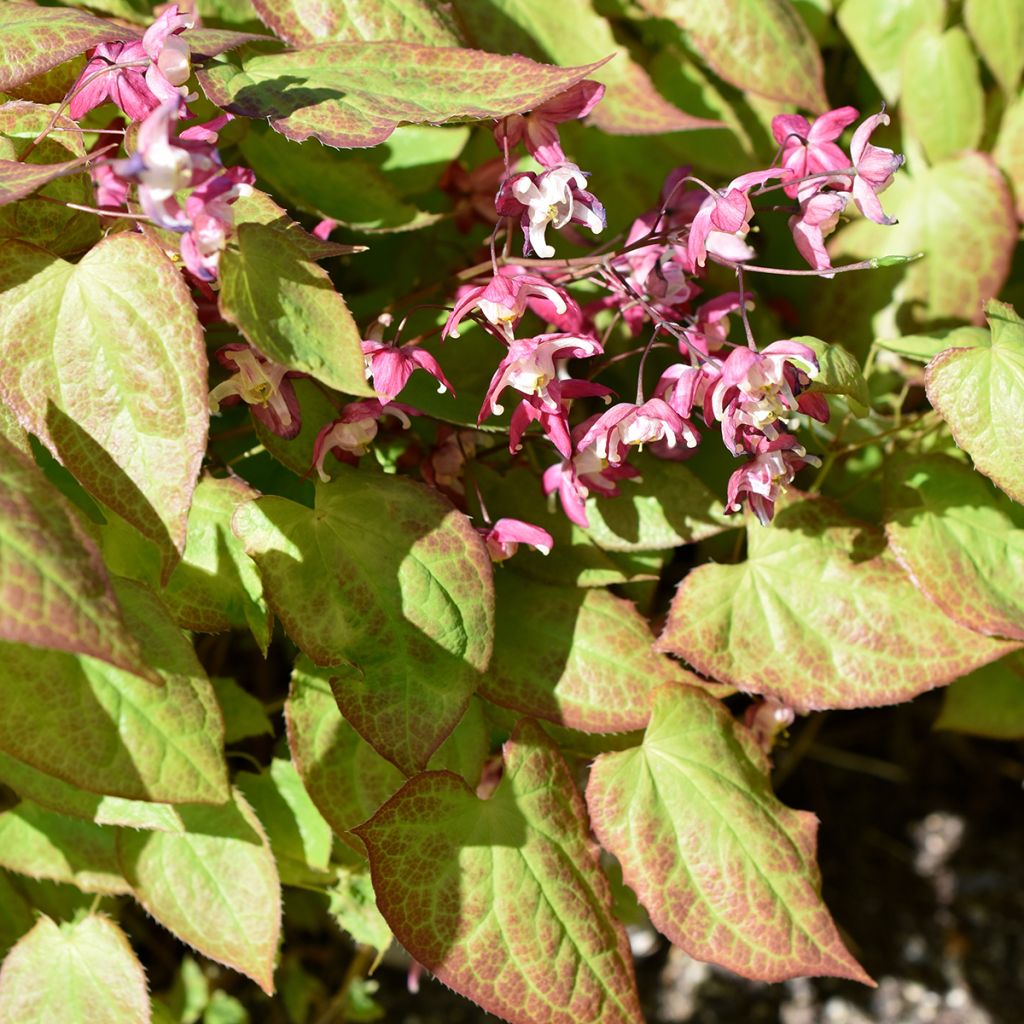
(627, 425)
(391, 366)
(875, 168)
(811, 148)
(349, 436)
(263, 385)
(504, 300)
(505, 536)
(537, 128)
(762, 480)
(819, 214)
(209, 211)
(554, 422)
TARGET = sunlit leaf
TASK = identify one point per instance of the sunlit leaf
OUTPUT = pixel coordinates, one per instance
(1008, 151)
(725, 870)
(988, 702)
(444, 863)
(997, 29)
(924, 347)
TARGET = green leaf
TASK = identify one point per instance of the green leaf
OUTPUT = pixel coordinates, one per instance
(80, 973)
(961, 543)
(35, 39)
(943, 104)
(667, 507)
(977, 218)
(345, 777)
(1008, 151)
(725, 870)
(569, 32)
(287, 307)
(838, 374)
(354, 95)
(42, 844)
(580, 658)
(758, 45)
(38, 219)
(924, 347)
(997, 28)
(979, 392)
(304, 22)
(503, 899)
(18, 180)
(54, 588)
(113, 732)
(103, 360)
(879, 30)
(16, 916)
(387, 581)
(299, 836)
(988, 702)
(820, 615)
(244, 715)
(215, 886)
(354, 908)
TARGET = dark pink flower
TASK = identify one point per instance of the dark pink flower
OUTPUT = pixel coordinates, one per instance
(263, 385)
(554, 423)
(537, 128)
(209, 211)
(875, 168)
(505, 536)
(711, 329)
(504, 300)
(819, 214)
(391, 367)
(811, 148)
(761, 481)
(349, 436)
(626, 425)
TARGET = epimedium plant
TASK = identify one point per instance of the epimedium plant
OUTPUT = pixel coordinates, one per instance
(580, 358)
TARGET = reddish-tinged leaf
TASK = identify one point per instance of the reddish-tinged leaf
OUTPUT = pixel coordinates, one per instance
(305, 22)
(725, 870)
(961, 541)
(104, 361)
(209, 42)
(820, 615)
(215, 886)
(979, 392)
(988, 702)
(35, 39)
(18, 180)
(503, 899)
(759, 45)
(83, 972)
(387, 581)
(354, 95)
(54, 589)
(586, 661)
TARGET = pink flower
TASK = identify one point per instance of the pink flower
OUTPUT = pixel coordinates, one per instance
(349, 436)
(209, 211)
(554, 423)
(875, 168)
(261, 384)
(681, 386)
(504, 300)
(762, 480)
(711, 329)
(529, 367)
(505, 536)
(170, 54)
(537, 128)
(819, 214)
(625, 425)
(811, 149)
(391, 367)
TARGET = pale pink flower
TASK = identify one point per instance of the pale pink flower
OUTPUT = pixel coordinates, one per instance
(875, 169)
(819, 214)
(350, 435)
(263, 385)
(504, 300)
(811, 148)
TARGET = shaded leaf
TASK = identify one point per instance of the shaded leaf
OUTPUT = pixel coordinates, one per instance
(554, 952)
(997, 28)
(709, 850)
(104, 361)
(819, 615)
(83, 972)
(16, 916)
(581, 658)
(759, 45)
(43, 844)
(838, 374)
(387, 581)
(244, 715)
(353, 95)
(988, 702)
(354, 908)
(979, 392)
(962, 543)
(214, 886)
(287, 307)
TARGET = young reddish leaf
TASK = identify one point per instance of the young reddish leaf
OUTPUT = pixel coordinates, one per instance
(386, 580)
(943, 104)
(997, 29)
(345, 777)
(979, 392)
(83, 972)
(215, 886)
(287, 307)
(573, 31)
(104, 361)
(503, 899)
(113, 732)
(54, 589)
(820, 615)
(35, 39)
(758, 45)
(304, 22)
(18, 180)
(43, 844)
(577, 657)
(988, 702)
(961, 542)
(724, 869)
(356, 94)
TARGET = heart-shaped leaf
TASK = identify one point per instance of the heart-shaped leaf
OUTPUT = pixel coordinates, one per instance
(18, 180)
